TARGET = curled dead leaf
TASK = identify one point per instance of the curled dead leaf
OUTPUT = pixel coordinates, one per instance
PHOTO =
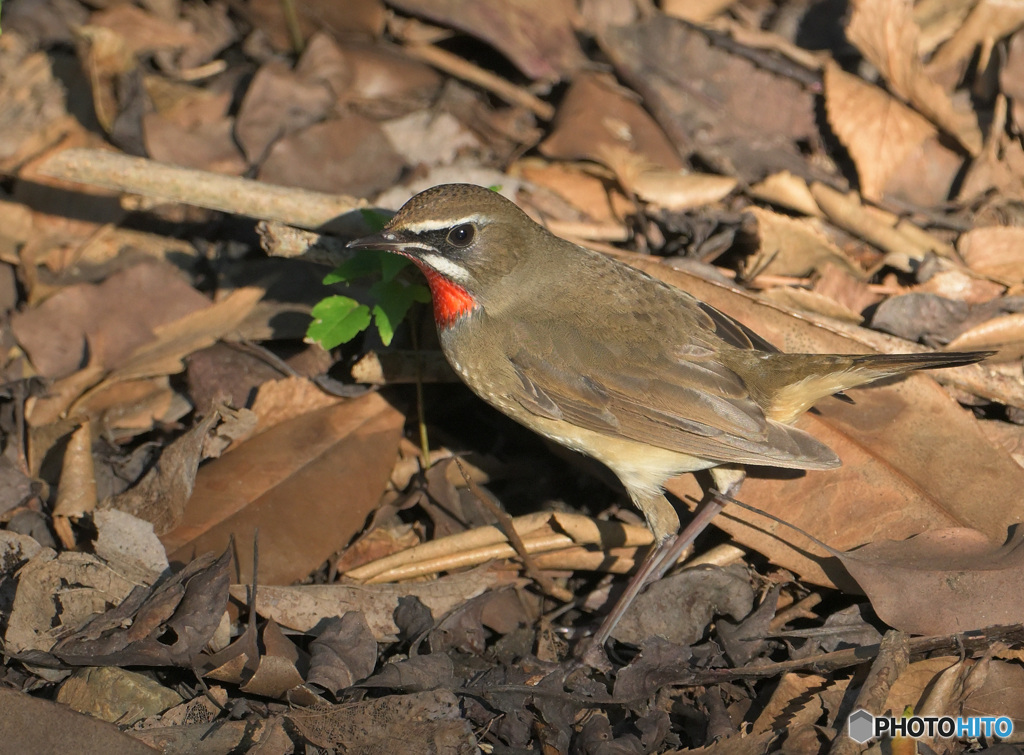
(671, 189)
(942, 581)
(879, 131)
(1005, 332)
(793, 246)
(887, 34)
(995, 251)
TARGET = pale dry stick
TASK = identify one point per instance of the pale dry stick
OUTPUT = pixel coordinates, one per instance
(240, 196)
(574, 529)
(475, 557)
(720, 555)
(463, 69)
(578, 558)
(478, 538)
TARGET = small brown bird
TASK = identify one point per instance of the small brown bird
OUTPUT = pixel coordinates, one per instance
(611, 362)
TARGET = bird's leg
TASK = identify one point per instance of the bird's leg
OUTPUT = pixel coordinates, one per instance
(666, 551)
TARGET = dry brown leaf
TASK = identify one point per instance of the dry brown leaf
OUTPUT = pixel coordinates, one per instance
(362, 18)
(116, 695)
(160, 496)
(44, 410)
(58, 594)
(347, 154)
(742, 118)
(787, 190)
(106, 56)
(794, 702)
(886, 33)
(997, 252)
(850, 292)
(107, 321)
(281, 400)
(142, 31)
(988, 22)
(1008, 436)
(132, 407)
(307, 484)
(536, 35)
(938, 20)
(942, 581)
(1005, 332)
(903, 243)
(581, 188)
(953, 281)
(278, 102)
(168, 625)
(695, 11)
(129, 545)
(679, 607)
(277, 672)
(999, 693)
(76, 494)
(1000, 167)
(420, 717)
(802, 300)
(879, 131)
(597, 114)
(30, 724)
(192, 128)
(33, 116)
(927, 176)
(793, 246)
(302, 607)
(671, 189)
(176, 340)
(932, 687)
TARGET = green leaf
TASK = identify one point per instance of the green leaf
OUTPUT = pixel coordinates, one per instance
(393, 301)
(337, 320)
(392, 264)
(361, 264)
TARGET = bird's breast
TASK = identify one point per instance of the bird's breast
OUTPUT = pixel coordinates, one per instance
(451, 301)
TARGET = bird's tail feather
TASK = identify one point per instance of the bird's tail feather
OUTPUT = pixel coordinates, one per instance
(802, 379)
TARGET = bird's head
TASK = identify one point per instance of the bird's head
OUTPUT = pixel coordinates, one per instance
(466, 239)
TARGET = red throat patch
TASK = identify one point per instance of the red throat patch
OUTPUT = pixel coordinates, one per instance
(451, 301)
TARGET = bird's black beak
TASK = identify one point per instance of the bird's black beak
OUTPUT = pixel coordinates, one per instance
(389, 241)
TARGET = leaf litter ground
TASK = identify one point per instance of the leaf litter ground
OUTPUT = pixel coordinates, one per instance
(220, 538)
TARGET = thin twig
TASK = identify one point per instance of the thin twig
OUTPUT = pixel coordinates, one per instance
(463, 69)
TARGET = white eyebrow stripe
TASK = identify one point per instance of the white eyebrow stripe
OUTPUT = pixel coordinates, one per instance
(446, 267)
(436, 225)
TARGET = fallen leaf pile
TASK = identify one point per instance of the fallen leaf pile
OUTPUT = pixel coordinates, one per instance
(218, 537)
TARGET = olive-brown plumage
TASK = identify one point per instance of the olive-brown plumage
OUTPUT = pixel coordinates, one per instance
(609, 361)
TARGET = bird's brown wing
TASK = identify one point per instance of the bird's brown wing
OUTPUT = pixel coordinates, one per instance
(680, 397)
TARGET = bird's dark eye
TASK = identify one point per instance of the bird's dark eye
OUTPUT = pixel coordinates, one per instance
(462, 235)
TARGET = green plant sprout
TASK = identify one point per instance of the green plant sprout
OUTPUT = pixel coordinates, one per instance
(339, 319)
